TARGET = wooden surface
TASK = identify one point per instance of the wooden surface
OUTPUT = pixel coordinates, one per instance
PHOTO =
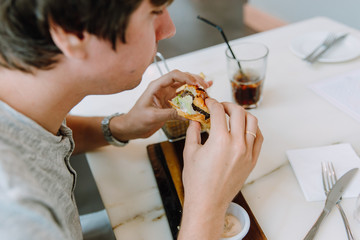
(167, 162)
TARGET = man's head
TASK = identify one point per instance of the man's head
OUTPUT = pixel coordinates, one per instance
(25, 38)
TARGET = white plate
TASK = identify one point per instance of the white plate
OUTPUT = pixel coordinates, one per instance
(347, 49)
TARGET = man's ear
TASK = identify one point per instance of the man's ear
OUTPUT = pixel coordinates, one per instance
(72, 45)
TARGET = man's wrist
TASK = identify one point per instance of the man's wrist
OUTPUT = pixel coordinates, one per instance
(105, 126)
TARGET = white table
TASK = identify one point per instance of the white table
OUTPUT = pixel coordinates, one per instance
(290, 116)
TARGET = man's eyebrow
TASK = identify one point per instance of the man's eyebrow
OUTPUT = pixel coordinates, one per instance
(165, 4)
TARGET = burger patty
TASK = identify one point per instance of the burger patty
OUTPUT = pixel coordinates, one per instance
(187, 93)
(196, 108)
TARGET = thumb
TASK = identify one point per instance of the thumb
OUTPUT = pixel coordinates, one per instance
(166, 114)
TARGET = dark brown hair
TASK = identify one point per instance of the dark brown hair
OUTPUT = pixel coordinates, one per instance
(25, 40)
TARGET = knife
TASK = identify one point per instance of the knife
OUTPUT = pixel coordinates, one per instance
(333, 197)
(319, 54)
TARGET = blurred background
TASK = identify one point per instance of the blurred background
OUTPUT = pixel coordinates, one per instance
(240, 18)
(193, 34)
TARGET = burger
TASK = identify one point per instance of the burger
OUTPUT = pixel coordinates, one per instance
(190, 104)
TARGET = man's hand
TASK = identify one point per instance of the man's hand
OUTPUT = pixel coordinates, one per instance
(153, 109)
(216, 171)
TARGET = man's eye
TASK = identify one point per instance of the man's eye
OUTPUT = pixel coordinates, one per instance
(157, 12)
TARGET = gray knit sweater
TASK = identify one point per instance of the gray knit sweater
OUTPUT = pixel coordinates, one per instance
(36, 180)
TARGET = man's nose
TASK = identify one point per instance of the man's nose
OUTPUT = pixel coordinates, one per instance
(165, 26)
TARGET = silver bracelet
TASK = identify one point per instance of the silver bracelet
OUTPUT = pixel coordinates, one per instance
(107, 133)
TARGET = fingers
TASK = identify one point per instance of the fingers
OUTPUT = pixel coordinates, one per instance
(199, 80)
(165, 114)
(251, 128)
(193, 138)
(217, 115)
(210, 83)
(257, 145)
(179, 78)
(237, 119)
(243, 125)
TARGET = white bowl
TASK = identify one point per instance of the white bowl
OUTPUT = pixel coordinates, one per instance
(241, 214)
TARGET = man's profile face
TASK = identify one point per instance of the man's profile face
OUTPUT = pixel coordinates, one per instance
(123, 68)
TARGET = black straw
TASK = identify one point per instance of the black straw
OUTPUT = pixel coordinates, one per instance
(225, 38)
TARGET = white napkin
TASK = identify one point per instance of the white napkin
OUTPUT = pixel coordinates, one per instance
(343, 91)
(306, 164)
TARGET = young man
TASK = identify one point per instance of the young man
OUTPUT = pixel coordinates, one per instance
(53, 54)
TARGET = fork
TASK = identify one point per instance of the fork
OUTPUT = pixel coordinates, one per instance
(329, 178)
(328, 41)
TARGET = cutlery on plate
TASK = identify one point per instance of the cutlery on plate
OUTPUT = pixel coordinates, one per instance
(329, 42)
(331, 200)
(329, 38)
(329, 179)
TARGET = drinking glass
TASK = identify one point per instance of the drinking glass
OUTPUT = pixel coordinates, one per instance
(247, 72)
